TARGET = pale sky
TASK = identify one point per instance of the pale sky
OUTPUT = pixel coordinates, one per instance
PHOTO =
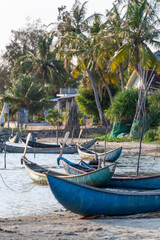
(14, 13)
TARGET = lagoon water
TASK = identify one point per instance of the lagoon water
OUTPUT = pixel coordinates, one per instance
(19, 196)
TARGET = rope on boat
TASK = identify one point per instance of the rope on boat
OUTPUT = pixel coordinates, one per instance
(13, 189)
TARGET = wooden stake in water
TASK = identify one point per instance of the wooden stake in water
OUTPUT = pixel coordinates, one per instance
(5, 157)
(34, 152)
(57, 131)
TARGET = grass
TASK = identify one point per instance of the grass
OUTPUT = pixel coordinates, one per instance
(102, 138)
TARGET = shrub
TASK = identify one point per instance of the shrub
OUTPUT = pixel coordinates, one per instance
(154, 111)
(151, 135)
(87, 104)
(53, 117)
(124, 106)
(154, 117)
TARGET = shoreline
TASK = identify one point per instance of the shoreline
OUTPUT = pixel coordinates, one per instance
(127, 147)
(66, 225)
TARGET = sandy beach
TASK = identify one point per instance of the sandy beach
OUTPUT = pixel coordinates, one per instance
(127, 147)
(66, 225)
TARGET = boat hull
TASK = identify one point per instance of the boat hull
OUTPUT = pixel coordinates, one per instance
(135, 182)
(88, 201)
(36, 176)
(111, 156)
(19, 148)
(117, 181)
(98, 178)
(132, 182)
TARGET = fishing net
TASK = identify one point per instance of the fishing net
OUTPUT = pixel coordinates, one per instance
(120, 129)
(136, 128)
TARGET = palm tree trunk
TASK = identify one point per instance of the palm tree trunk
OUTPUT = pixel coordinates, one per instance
(101, 115)
(5, 106)
(121, 75)
(107, 87)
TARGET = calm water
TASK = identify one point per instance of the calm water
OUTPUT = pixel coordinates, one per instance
(19, 196)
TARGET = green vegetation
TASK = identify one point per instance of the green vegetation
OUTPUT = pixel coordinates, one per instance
(154, 111)
(26, 92)
(96, 56)
(87, 104)
(123, 107)
(54, 117)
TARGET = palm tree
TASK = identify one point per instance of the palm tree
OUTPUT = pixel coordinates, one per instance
(73, 21)
(26, 93)
(139, 29)
(102, 46)
(74, 43)
(79, 46)
(111, 28)
(45, 65)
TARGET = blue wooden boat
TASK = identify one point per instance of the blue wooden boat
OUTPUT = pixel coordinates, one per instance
(118, 180)
(88, 201)
(73, 168)
(41, 145)
(19, 148)
(36, 144)
(97, 178)
(110, 156)
(76, 168)
(135, 182)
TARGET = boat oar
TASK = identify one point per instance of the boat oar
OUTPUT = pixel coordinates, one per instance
(25, 149)
(80, 133)
(82, 147)
(64, 142)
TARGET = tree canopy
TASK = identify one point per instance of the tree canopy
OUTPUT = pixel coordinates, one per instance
(95, 52)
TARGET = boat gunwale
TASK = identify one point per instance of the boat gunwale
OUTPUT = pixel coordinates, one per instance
(112, 191)
(46, 171)
(95, 170)
(132, 177)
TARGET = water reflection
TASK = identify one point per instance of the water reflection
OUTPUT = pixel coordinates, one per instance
(22, 197)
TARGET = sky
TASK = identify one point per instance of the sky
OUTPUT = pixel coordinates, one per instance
(15, 13)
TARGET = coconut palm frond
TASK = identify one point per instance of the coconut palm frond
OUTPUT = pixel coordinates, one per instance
(119, 57)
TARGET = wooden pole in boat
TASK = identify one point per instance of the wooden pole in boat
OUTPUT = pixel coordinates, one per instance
(99, 162)
(64, 142)
(105, 147)
(27, 140)
(80, 133)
